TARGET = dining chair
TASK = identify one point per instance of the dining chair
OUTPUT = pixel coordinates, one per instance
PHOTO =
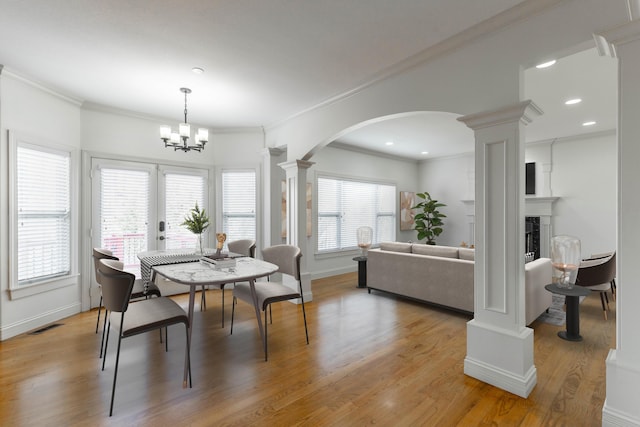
(598, 275)
(246, 247)
(139, 290)
(287, 258)
(135, 317)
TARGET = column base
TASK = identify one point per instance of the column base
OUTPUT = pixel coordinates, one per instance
(623, 388)
(501, 358)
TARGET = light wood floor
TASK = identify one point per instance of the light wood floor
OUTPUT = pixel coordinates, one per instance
(372, 359)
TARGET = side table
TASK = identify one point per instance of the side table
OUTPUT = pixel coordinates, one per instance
(362, 271)
(572, 300)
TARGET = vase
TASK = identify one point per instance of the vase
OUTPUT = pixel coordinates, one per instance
(199, 247)
(365, 235)
(565, 259)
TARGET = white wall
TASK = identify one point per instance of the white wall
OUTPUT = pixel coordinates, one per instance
(448, 181)
(50, 119)
(359, 165)
(583, 174)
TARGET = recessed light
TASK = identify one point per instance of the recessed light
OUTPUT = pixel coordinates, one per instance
(573, 101)
(197, 70)
(546, 64)
(590, 123)
(424, 153)
(388, 143)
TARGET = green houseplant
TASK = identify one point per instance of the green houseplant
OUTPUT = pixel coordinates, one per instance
(428, 220)
(197, 222)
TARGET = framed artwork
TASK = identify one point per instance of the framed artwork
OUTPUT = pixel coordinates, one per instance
(407, 201)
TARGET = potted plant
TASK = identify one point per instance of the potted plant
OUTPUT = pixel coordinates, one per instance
(197, 222)
(428, 220)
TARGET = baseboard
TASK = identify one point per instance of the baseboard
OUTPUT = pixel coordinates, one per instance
(613, 418)
(42, 319)
(334, 272)
(520, 386)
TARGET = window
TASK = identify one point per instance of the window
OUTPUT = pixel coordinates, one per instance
(42, 213)
(182, 192)
(239, 204)
(344, 205)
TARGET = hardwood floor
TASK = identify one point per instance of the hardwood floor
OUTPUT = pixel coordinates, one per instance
(372, 359)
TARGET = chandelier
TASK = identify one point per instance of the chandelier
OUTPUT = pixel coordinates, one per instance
(180, 140)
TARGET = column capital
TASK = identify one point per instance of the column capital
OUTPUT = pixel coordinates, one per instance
(273, 151)
(296, 165)
(607, 41)
(523, 112)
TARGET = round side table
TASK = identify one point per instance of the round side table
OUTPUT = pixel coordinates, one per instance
(572, 300)
(362, 271)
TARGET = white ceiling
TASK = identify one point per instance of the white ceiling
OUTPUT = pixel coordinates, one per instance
(264, 61)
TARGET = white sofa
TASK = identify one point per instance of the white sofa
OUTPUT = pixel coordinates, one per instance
(443, 276)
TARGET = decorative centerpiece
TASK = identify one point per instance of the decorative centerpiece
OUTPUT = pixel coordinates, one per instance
(221, 238)
(197, 222)
(565, 259)
(365, 236)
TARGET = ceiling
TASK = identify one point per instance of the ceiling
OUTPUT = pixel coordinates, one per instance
(266, 61)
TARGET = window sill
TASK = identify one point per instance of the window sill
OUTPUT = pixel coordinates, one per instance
(41, 287)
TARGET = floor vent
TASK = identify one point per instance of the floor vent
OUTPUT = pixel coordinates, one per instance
(45, 329)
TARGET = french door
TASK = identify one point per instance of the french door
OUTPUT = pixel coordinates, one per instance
(139, 206)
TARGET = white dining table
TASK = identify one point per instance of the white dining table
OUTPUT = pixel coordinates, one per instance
(198, 273)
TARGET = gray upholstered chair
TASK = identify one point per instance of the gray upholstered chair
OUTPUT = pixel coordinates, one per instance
(246, 247)
(133, 318)
(139, 290)
(598, 275)
(287, 258)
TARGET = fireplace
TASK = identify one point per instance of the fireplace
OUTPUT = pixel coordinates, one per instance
(538, 212)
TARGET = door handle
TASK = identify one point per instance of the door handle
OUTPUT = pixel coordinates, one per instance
(161, 238)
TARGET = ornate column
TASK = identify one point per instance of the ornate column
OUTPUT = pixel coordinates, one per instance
(623, 363)
(499, 346)
(296, 194)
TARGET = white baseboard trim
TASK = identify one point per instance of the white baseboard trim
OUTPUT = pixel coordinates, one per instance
(520, 386)
(614, 418)
(334, 272)
(42, 319)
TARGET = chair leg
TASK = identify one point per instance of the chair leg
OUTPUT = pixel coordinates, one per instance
(104, 332)
(99, 310)
(304, 316)
(222, 306)
(188, 354)
(265, 332)
(604, 310)
(166, 339)
(115, 374)
(233, 311)
(106, 344)
(203, 299)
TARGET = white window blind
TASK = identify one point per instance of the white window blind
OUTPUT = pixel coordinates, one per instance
(182, 194)
(344, 205)
(124, 213)
(239, 204)
(44, 214)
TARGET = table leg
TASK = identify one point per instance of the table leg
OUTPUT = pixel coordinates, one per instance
(252, 285)
(192, 298)
(573, 320)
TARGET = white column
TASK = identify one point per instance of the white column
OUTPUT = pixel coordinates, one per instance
(271, 186)
(623, 363)
(296, 185)
(499, 345)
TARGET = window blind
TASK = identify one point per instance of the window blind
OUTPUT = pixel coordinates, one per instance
(344, 205)
(182, 192)
(239, 204)
(44, 214)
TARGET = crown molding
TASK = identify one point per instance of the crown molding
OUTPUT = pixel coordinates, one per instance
(40, 86)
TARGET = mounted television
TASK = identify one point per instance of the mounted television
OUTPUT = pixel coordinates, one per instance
(530, 178)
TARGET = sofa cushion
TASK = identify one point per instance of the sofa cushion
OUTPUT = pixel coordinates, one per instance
(467, 253)
(396, 247)
(433, 250)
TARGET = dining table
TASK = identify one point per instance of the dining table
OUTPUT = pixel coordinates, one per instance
(192, 270)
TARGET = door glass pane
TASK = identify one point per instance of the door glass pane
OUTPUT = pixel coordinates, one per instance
(182, 194)
(124, 213)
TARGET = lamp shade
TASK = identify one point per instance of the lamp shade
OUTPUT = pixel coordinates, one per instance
(365, 236)
(565, 259)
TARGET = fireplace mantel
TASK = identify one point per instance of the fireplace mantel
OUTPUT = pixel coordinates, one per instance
(533, 206)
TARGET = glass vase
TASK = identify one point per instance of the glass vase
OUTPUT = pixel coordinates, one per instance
(365, 236)
(565, 259)
(199, 246)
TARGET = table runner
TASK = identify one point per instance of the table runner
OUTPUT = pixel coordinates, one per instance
(147, 262)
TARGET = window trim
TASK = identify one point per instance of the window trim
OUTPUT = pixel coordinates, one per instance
(331, 253)
(16, 291)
